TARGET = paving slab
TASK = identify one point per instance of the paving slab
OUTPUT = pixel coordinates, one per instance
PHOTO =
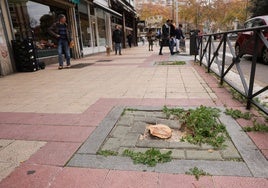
(47, 110)
(212, 162)
(15, 152)
(80, 177)
(54, 153)
(29, 176)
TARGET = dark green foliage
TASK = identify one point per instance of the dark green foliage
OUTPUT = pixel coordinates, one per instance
(107, 153)
(173, 63)
(151, 157)
(197, 172)
(237, 114)
(201, 125)
(257, 127)
(238, 96)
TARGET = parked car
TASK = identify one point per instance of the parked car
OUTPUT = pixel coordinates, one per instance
(245, 41)
(232, 36)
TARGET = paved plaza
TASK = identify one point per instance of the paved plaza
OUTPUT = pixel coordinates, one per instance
(52, 123)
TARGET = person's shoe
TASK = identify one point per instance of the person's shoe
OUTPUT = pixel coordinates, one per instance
(120, 54)
(60, 67)
(68, 66)
(152, 50)
(160, 54)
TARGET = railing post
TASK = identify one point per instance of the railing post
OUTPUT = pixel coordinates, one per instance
(201, 49)
(253, 69)
(209, 54)
(223, 57)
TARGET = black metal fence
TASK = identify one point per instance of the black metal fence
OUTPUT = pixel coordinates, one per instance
(211, 50)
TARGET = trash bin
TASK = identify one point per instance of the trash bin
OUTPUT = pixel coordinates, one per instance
(194, 42)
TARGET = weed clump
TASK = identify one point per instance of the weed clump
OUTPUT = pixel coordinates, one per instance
(201, 125)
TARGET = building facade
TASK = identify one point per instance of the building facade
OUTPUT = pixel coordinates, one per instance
(91, 23)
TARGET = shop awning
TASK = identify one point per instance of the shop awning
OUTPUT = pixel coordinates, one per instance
(106, 8)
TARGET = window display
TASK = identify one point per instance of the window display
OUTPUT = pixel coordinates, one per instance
(32, 20)
(101, 27)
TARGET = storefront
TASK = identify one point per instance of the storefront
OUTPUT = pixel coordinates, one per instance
(32, 18)
(127, 21)
(91, 23)
(95, 28)
(5, 59)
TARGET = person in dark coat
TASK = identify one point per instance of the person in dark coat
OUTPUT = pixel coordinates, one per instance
(117, 39)
(172, 36)
(165, 37)
(179, 38)
(129, 39)
(63, 35)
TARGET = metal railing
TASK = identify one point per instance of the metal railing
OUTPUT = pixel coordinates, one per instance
(214, 58)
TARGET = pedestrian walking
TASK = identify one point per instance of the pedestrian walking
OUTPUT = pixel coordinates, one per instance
(164, 40)
(165, 37)
(129, 39)
(150, 37)
(180, 39)
(117, 39)
(172, 36)
(61, 32)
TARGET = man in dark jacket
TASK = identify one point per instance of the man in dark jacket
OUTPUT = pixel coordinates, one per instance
(60, 31)
(179, 37)
(165, 38)
(117, 39)
(129, 39)
(172, 37)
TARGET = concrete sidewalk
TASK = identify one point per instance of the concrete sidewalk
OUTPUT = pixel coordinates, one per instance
(46, 116)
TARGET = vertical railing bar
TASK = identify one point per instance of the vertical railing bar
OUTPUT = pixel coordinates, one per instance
(223, 58)
(253, 69)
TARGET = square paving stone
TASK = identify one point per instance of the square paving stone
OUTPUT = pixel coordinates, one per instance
(230, 152)
(176, 154)
(130, 139)
(152, 143)
(126, 120)
(138, 127)
(203, 155)
(112, 144)
(182, 145)
(120, 131)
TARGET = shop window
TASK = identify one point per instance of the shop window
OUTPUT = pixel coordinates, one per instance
(101, 27)
(32, 20)
(92, 10)
(85, 30)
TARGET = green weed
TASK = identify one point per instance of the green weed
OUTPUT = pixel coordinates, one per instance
(257, 127)
(201, 125)
(237, 114)
(236, 95)
(173, 63)
(107, 153)
(197, 172)
(151, 157)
